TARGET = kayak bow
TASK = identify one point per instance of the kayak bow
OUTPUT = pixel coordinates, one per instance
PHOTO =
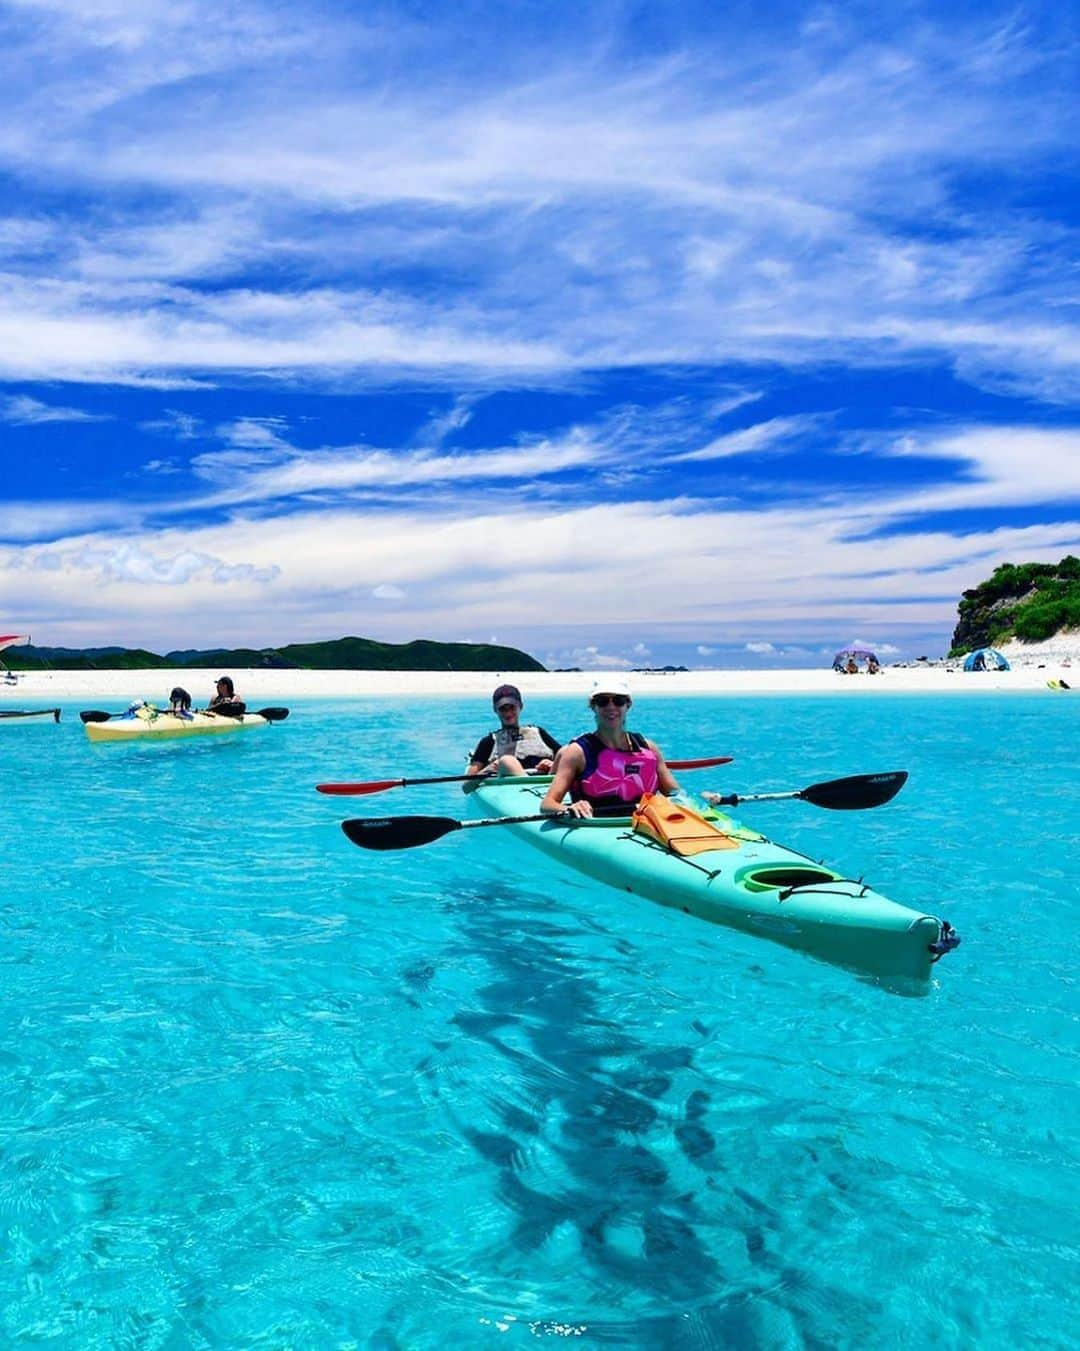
(39, 715)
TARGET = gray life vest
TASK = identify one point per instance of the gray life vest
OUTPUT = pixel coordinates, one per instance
(526, 742)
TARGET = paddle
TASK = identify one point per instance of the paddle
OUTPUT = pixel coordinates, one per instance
(270, 714)
(406, 832)
(381, 785)
(53, 713)
(856, 793)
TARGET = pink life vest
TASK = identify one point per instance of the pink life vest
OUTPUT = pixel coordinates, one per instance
(613, 781)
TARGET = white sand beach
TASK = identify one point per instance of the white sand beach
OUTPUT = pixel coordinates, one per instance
(1032, 666)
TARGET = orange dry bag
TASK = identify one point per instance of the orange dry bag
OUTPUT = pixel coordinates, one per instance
(681, 828)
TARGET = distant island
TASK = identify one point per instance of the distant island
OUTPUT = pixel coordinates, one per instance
(341, 654)
(1028, 601)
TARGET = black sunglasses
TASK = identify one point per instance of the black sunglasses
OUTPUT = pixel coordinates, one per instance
(619, 700)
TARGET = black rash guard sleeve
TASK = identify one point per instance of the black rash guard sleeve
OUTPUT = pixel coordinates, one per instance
(484, 748)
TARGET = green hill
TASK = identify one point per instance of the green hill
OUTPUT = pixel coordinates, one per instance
(32, 658)
(343, 654)
(1029, 601)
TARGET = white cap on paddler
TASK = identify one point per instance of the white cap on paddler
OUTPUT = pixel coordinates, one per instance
(609, 685)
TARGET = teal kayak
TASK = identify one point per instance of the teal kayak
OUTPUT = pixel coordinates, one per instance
(750, 883)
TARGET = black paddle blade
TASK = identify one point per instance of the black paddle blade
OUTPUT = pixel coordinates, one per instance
(857, 792)
(397, 832)
(94, 715)
(273, 714)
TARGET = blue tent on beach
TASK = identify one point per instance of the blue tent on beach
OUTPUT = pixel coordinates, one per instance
(986, 659)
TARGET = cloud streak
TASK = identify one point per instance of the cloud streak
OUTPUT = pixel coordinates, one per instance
(22, 411)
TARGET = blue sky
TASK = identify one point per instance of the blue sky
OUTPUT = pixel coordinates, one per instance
(626, 334)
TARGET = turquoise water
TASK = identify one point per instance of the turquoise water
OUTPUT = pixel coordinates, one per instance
(262, 1089)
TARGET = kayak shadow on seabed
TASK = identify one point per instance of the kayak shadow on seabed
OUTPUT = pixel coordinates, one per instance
(649, 1194)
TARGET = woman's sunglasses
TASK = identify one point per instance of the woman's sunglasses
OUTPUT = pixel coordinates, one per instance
(619, 700)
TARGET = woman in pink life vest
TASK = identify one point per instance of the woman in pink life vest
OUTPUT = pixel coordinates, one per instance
(606, 772)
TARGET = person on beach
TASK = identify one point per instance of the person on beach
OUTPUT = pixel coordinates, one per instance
(225, 700)
(512, 748)
(608, 771)
(872, 665)
(852, 666)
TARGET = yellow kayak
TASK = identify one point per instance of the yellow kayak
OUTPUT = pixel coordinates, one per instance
(144, 722)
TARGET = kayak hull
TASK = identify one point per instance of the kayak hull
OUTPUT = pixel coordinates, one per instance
(144, 726)
(750, 884)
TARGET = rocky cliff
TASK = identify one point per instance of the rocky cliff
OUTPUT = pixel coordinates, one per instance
(1029, 601)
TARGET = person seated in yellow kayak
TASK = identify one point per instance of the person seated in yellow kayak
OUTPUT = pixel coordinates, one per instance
(180, 702)
(512, 748)
(608, 771)
(225, 700)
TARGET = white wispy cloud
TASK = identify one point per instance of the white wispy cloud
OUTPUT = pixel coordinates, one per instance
(281, 470)
(182, 426)
(23, 411)
(880, 648)
(440, 426)
(1001, 466)
(130, 561)
(776, 434)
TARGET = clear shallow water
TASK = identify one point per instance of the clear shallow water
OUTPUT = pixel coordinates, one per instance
(259, 1089)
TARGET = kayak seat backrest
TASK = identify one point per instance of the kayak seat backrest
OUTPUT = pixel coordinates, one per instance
(679, 828)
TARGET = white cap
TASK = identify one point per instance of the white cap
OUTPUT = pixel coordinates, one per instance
(609, 685)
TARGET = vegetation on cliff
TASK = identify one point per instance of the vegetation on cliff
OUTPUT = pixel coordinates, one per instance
(342, 654)
(1029, 601)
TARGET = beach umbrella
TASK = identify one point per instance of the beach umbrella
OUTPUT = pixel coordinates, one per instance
(859, 653)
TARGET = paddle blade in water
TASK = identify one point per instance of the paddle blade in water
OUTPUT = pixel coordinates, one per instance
(357, 789)
(855, 793)
(397, 832)
(273, 714)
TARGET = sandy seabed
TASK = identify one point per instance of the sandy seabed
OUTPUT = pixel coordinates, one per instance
(1033, 665)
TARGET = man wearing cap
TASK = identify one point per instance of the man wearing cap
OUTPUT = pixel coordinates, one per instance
(512, 749)
(225, 699)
